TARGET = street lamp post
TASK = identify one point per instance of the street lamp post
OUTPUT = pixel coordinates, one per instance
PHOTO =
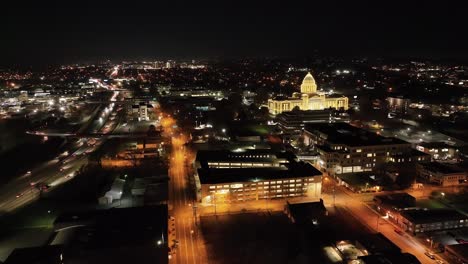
(431, 241)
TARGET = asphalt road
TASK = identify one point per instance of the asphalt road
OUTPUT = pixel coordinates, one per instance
(21, 190)
(190, 247)
(355, 204)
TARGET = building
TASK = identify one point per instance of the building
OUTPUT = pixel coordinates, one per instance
(392, 204)
(425, 220)
(293, 122)
(438, 150)
(398, 104)
(347, 149)
(441, 174)
(296, 179)
(225, 159)
(308, 99)
(306, 213)
(457, 253)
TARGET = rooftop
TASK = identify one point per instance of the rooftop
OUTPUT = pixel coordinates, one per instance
(292, 170)
(441, 168)
(399, 200)
(256, 155)
(420, 216)
(306, 212)
(346, 134)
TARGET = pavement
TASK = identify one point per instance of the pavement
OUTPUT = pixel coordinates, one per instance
(190, 247)
(358, 207)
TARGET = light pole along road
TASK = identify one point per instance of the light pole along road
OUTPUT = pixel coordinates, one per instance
(189, 247)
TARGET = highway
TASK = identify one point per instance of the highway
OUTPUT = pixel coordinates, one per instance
(190, 247)
(51, 174)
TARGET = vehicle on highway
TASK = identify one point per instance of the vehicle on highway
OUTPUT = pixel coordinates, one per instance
(41, 186)
(399, 232)
(438, 261)
(429, 255)
(461, 241)
(19, 195)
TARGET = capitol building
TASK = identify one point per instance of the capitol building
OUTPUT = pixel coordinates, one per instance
(307, 99)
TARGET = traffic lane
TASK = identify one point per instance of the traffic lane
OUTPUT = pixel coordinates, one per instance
(370, 218)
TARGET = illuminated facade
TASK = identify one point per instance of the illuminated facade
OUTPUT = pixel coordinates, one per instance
(225, 176)
(307, 99)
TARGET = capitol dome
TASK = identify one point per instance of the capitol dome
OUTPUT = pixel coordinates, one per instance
(308, 84)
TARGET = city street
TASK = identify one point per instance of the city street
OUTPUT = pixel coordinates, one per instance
(190, 248)
(355, 204)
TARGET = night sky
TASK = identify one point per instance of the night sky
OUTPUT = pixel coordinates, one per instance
(49, 32)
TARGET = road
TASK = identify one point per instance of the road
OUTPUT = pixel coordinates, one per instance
(355, 204)
(23, 189)
(190, 247)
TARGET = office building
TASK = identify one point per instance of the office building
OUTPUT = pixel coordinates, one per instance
(223, 176)
(426, 220)
(441, 174)
(347, 149)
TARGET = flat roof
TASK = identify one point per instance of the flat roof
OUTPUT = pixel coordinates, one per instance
(344, 133)
(461, 250)
(304, 212)
(420, 216)
(400, 200)
(442, 168)
(292, 170)
(267, 155)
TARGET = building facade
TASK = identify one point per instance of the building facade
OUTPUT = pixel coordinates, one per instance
(426, 220)
(347, 149)
(225, 176)
(441, 174)
(308, 99)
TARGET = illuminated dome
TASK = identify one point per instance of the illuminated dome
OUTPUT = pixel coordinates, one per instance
(308, 84)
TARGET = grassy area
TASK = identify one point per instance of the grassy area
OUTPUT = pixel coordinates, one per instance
(430, 204)
(77, 194)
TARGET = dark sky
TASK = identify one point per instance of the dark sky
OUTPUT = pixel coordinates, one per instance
(45, 32)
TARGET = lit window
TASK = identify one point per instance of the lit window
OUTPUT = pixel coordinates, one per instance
(358, 150)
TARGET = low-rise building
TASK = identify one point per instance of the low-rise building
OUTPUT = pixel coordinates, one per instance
(457, 253)
(417, 221)
(441, 174)
(438, 150)
(392, 204)
(347, 149)
(311, 213)
(295, 179)
(293, 122)
(257, 158)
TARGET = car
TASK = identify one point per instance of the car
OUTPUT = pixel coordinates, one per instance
(429, 255)
(398, 232)
(19, 195)
(461, 241)
(438, 261)
(28, 172)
